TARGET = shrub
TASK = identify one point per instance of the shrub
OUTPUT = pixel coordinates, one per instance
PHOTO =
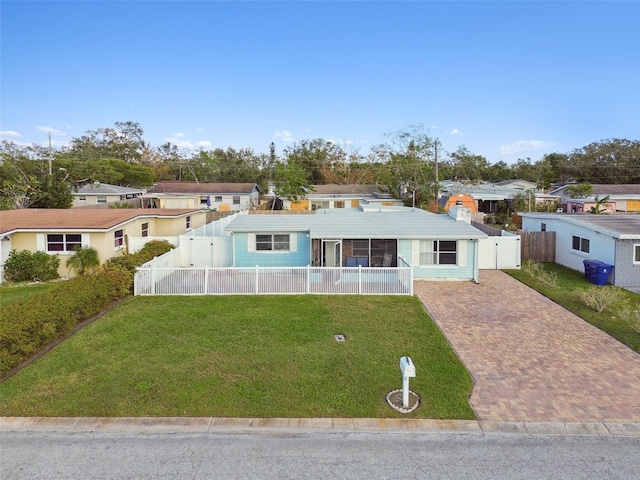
(28, 326)
(631, 315)
(25, 266)
(535, 270)
(83, 260)
(600, 298)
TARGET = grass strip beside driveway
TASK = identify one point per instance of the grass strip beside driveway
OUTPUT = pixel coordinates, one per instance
(245, 356)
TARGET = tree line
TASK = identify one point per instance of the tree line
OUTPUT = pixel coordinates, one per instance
(408, 161)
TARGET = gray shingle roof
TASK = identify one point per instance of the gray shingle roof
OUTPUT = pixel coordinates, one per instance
(618, 226)
(105, 189)
(356, 223)
(203, 188)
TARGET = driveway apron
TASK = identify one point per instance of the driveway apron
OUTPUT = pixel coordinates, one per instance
(532, 360)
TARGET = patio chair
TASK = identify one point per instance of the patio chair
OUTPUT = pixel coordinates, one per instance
(386, 261)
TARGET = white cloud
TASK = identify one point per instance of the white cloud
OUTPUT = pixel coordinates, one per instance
(204, 143)
(284, 135)
(179, 135)
(340, 141)
(9, 133)
(52, 131)
(178, 142)
(455, 131)
(198, 129)
(523, 146)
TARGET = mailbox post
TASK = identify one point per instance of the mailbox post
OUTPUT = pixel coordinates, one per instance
(408, 370)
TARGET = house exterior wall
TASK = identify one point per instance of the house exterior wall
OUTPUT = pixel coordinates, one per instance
(627, 274)
(601, 247)
(243, 257)
(464, 270)
(179, 202)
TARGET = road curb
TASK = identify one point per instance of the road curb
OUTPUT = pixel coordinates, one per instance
(220, 425)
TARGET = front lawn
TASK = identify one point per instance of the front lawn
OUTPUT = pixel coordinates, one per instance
(245, 356)
(566, 294)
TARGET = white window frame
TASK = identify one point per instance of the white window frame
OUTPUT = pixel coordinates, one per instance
(101, 199)
(118, 239)
(236, 199)
(188, 222)
(431, 253)
(273, 242)
(67, 244)
(145, 229)
(636, 254)
(581, 242)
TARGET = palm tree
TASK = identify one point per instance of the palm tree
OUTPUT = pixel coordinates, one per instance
(83, 259)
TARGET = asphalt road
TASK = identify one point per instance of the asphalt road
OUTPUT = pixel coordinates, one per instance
(113, 455)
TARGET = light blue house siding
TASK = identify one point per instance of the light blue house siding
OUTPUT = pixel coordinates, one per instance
(464, 270)
(246, 256)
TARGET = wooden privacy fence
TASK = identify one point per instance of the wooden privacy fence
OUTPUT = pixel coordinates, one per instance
(538, 246)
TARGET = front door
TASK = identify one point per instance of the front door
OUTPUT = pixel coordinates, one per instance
(332, 253)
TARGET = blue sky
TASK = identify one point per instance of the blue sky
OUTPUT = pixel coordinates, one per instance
(506, 79)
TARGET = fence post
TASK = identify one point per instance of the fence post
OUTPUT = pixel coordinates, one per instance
(206, 279)
(359, 279)
(257, 280)
(308, 278)
(411, 279)
(153, 277)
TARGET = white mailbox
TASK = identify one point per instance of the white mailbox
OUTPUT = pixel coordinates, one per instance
(407, 367)
(408, 370)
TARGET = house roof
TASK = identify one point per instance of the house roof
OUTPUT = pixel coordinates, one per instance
(631, 190)
(39, 219)
(399, 222)
(350, 189)
(515, 183)
(98, 188)
(203, 188)
(617, 226)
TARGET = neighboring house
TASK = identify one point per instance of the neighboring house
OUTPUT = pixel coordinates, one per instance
(109, 231)
(337, 196)
(223, 197)
(459, 199)
(102, 193)
(486, 196)
(584, 205)
(612, 239)
(625, 196)
(436, 245)
(519, 184)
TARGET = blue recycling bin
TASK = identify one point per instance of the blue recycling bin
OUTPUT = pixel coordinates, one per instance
(602, 272)
(596, 272)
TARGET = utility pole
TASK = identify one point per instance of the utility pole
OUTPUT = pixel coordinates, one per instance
(436, 169)
(50, 158)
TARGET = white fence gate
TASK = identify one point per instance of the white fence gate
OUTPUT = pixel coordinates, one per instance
(495, 253)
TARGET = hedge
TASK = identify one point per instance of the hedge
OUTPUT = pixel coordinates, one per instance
(30, 325)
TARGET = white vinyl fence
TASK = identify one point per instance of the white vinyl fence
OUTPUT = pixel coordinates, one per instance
(155, 280)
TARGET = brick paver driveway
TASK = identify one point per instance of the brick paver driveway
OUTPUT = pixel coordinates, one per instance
(532, 360)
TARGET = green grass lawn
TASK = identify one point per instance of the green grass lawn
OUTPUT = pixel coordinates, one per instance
(21, 291)
(570, 282)
(245, 356)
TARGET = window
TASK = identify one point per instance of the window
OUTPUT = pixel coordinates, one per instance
(360, 248)
(218, 198)
(438, 252)
(236, 199)
(580, 244)
(338, 204)
(102, 199)
(63, 242)
(636, 254)
(543, 227)
(188, 222)
(82, 198)
(118, 238)
(145, 229)
(272, 243)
